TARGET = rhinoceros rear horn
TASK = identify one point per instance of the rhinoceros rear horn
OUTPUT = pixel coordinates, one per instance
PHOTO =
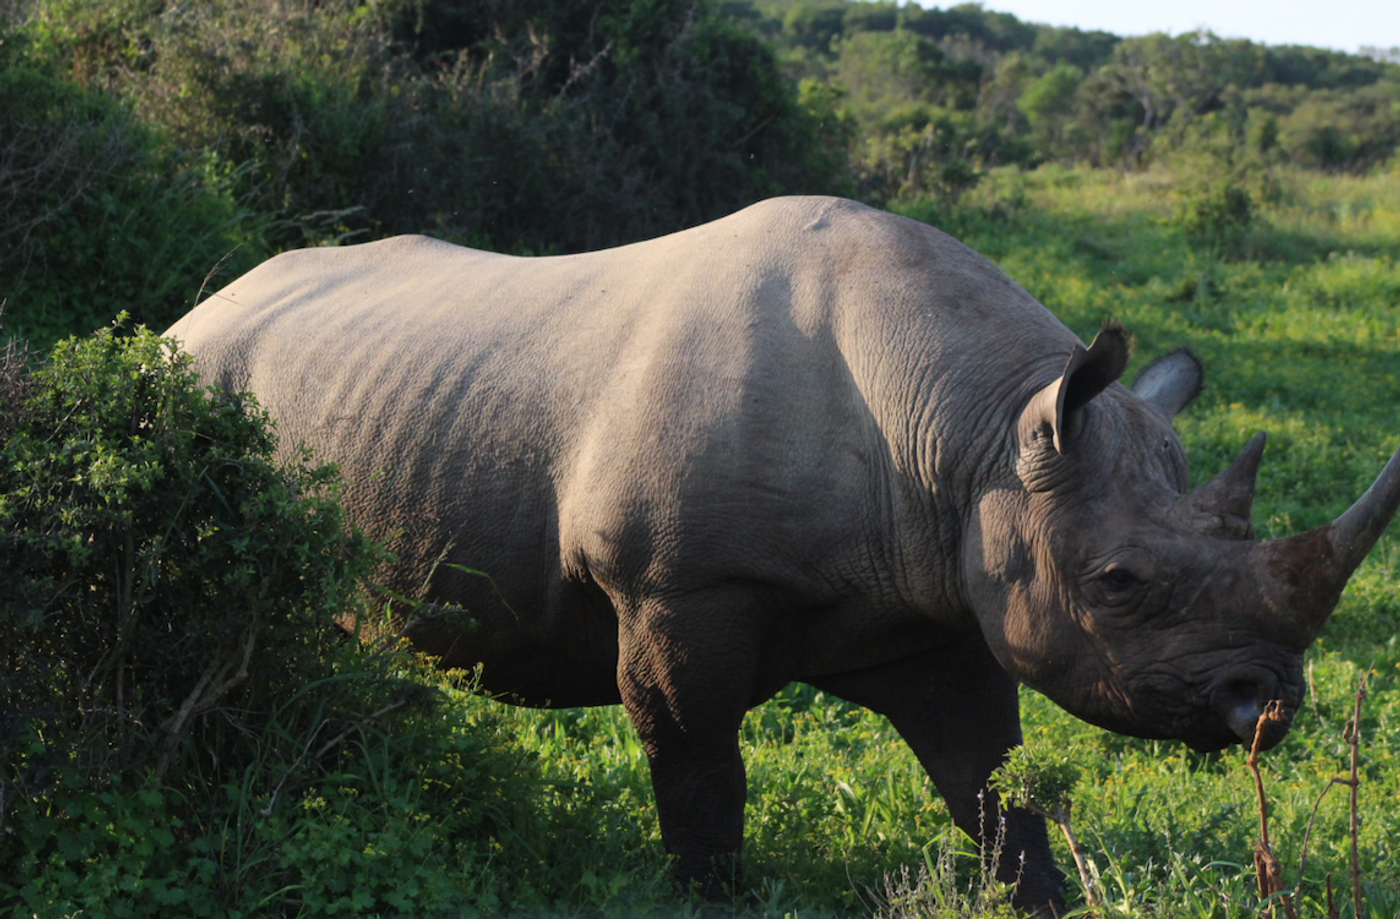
(1222, 506)
(1305, 574)
(1087, 373)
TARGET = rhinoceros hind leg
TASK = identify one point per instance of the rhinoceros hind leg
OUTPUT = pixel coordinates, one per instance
(685, 672)
(958, 710)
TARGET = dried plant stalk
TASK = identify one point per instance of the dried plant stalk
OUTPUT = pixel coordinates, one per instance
(1265, 863)
(1091, 889)
(1351, 734)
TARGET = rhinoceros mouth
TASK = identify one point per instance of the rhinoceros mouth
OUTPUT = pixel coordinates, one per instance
(1238, 726)
(1233, 719)
(1227, 713)
(1211, 745)
(1256, 704)
(1209, 734)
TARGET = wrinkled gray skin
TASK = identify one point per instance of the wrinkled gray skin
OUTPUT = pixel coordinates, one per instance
(811, 441)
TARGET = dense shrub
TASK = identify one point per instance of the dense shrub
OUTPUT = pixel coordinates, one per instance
(518, 126)
(98, 216)
(158, 563)
(183, 726)
(151, 139)
(1215, 212)
(627, 120)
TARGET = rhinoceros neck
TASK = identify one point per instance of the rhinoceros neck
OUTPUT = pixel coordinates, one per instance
(898, 343)
(946, 351)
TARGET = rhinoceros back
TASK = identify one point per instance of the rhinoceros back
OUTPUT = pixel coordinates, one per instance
(722, 404)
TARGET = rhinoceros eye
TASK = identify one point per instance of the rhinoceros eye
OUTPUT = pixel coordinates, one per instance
(1119, 579)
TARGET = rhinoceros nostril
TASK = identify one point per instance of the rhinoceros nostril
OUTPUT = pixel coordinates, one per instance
(1240, 703)
(1243, 690)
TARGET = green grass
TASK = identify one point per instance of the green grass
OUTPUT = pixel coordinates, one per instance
(1300, 336)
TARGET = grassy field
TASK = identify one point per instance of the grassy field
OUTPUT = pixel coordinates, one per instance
(1300, 335)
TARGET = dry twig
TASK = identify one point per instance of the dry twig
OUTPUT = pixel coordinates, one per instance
(1352, 735)
(1265, 863)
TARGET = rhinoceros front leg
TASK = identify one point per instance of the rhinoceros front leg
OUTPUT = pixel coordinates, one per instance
(685, 672)
(958, 710)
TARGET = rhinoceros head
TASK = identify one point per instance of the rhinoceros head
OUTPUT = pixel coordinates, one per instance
(1138, 605)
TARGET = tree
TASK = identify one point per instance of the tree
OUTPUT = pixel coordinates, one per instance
(1048, 104)
(1179, 78)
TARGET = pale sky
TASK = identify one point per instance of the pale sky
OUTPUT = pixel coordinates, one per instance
(1345, 25)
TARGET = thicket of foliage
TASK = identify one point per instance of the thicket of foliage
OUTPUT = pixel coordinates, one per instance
(153, 138)
(96, 214)
(146, 142)
(156, 560)
(149, 142)
(183, 727)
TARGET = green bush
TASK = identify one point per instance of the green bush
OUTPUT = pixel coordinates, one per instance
(515, 126)
(1212, 176)
(159, 563)
(184, 726)
(98, 215)
(1215, 214)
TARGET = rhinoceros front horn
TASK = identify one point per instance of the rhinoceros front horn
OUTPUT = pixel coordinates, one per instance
(1303, 576)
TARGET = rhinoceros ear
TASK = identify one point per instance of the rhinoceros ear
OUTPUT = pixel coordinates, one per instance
(1086, 374)
(1171, 381)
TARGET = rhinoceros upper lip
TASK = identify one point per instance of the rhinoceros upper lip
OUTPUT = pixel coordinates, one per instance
(1244, 720)
(1225, 727)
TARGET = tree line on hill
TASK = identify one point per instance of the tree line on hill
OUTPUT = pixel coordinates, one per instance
(144, 142)
(930, 97)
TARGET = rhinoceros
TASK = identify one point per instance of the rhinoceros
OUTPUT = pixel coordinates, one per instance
(811, 441)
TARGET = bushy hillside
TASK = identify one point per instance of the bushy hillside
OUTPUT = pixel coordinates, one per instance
(147, 144)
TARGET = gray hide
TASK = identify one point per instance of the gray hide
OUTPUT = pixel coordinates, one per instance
(810, 441)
